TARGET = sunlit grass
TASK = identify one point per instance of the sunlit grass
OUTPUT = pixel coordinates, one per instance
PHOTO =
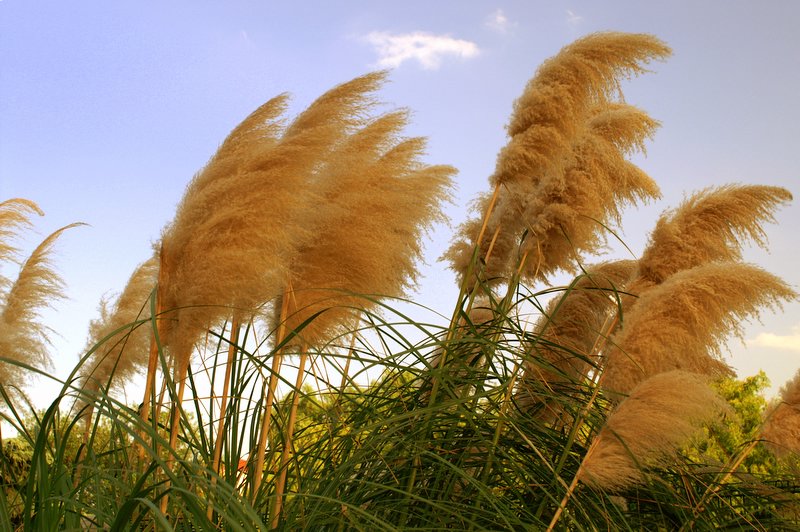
(289, 386)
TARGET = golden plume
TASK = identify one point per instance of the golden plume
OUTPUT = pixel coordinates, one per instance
(241, 149)
(22, 337)
(377, 200)
(648, 428)
(684, 322)
(556, 136)
(566, 218)
(711, 225)
(13, 217)
(555, 104)
(235, 255)
(563, 347)
(782, 427)
(120, 347)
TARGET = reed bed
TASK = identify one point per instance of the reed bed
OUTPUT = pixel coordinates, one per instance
(291, 385)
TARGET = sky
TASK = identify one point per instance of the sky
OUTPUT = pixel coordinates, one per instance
(107, 109)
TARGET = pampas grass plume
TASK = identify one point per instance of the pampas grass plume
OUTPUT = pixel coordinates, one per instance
(23, 337)
(566, 334)
(559, 155)
(648, 427)
(236, 255)
(782, 427)
(684, 322)
(14, 215)
(555, 103)
(566, 215)
(711, 225)
(378, 199)
(121, 349)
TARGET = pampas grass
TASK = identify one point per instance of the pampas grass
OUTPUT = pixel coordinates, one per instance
(565, 134)
(316, 224)
(684, 322)
(123, 346)
(781, 429)
(566, 218)
(563, 350)
(23, 338)
(236, 255)
(648, 428)
(553, 107)
(14, 216)
(711, 225)
(233, 257)
(374, 172)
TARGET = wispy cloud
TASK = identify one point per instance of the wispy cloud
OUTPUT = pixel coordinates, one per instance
(788, 342)
(427, 49)
(573, 19)
(498, 21)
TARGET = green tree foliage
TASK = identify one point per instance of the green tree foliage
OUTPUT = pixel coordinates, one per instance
(743, 425)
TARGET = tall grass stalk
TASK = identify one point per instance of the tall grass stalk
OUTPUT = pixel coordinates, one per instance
(280, 484)
(226, 380)
(277, 360)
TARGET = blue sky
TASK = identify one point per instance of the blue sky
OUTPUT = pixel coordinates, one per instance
(108, 109)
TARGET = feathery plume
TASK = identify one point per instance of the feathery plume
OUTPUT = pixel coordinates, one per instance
(558, 111)
(125, 353)
(237, 253)
(566, 334)
(377, 201)
(22, 337)
(684, 322)
(556, 102)
(13, 217)
(648, 427)
(565, 218)
(240, 150)
(501, 235)
(711, 225)
(782, 427)
(234, 256)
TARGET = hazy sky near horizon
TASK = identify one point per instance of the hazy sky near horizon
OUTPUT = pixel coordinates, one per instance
(108, 109)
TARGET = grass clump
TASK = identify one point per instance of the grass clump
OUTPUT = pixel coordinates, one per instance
(289, 386)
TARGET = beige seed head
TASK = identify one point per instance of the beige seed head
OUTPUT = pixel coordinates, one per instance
(120, 348)
(234, 254)
(23, 337)
(684, 322)
(648, 427)
(782, 428)
(566, 335)
(711, 225)
(546, 170)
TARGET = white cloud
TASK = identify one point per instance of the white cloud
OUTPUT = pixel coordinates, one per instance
(498, 21)
(428, 49)
(573, 19)
(788, 342)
